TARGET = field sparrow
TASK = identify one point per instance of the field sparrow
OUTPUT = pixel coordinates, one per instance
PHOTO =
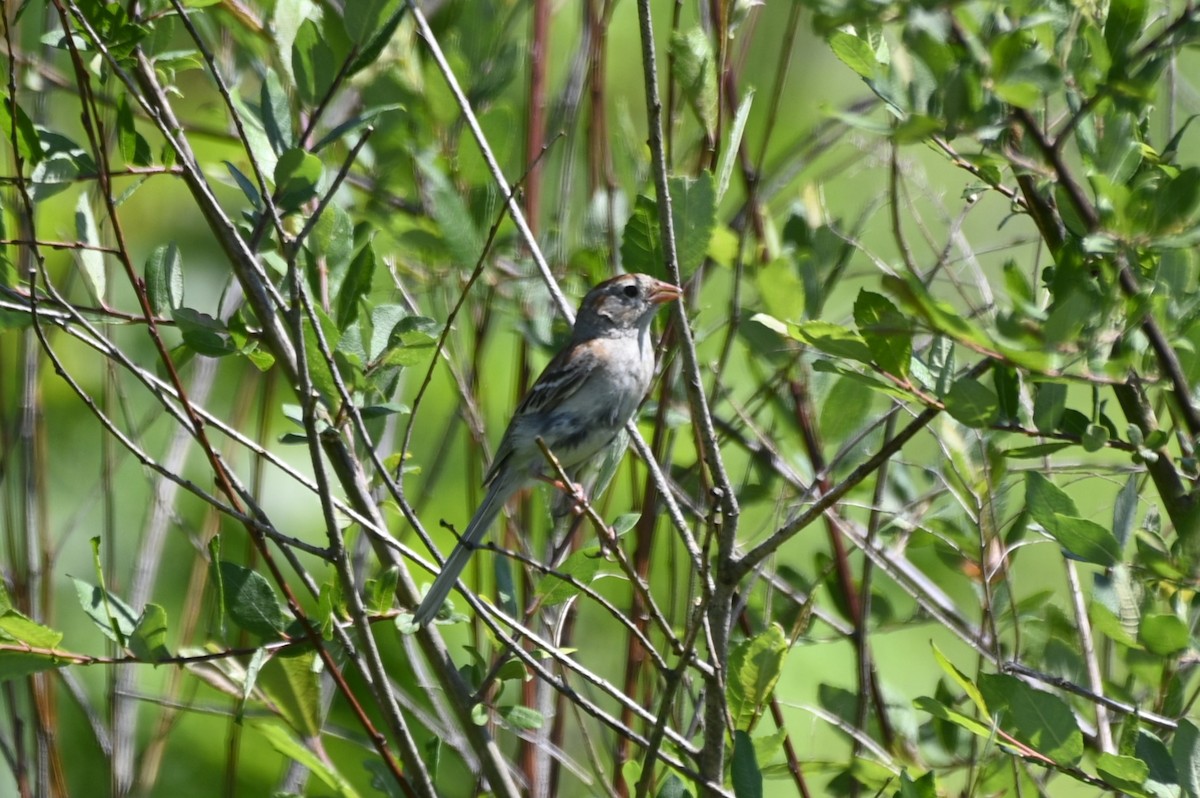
(578, 404)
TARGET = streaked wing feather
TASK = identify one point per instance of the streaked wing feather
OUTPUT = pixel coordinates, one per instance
(559, 380)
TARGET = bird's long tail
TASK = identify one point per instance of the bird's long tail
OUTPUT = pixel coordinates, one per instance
(493, 502)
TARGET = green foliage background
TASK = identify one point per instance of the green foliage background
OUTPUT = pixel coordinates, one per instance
(922, 518)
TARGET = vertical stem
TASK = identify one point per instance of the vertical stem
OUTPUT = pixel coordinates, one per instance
(535, 134)
(725, 510)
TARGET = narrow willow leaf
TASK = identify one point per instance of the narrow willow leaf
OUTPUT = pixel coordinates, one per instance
(294, 751)
(276, 113)
(355, 286)
(744, 771)
(729, 156)
(91, 261)
(164, 279)
(134, 147)
(28, 144)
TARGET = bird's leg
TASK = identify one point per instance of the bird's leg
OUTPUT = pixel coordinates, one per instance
(573, 489)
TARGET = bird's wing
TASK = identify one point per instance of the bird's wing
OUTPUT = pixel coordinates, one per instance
(564, 376)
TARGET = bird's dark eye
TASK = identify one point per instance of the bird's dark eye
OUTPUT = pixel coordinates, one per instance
(630, 291)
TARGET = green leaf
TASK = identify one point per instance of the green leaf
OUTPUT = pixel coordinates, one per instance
(582, 565)
(744, 771)
(855, 53)
(320, 369)
(1162, 779)
(940, 710)
(249, 189)
(521, 717)
(314, 64)
(923, 787)
(355, 124)
(1127, 773)
(276, 113)
(1045, 501)
(1126, 19)
(28, 144)
(1085, 540)
(1037, 451)
(754, 668)
(641, 243)
(833, 339)
(91, 261)
(673, 787)
(19, 664)
(293, 750)
(1049, 404)
(16, 627)
(379, 32)
(696, 74)
(297, 175)
(411, 342)
(1038, 719)
(1125, 510)
(355, 286)
(332, 240)
(459, 231)
(164, 279)
(250, 601)
(203, 334)
(1164, 635)
(781, 289)
(846, 408)
(969, 687)
(972, 403)
(1185, 751)
(149, 639)
(293, 685)
(135, 150)
(365, 18)
(113, 617)
(1095, 437)
(886, 331)
(693, 213)
(729, 155)
(941, 317)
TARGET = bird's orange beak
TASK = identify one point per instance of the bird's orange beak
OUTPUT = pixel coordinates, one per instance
(661, 292)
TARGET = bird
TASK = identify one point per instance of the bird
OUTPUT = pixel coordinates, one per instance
(577, 405)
